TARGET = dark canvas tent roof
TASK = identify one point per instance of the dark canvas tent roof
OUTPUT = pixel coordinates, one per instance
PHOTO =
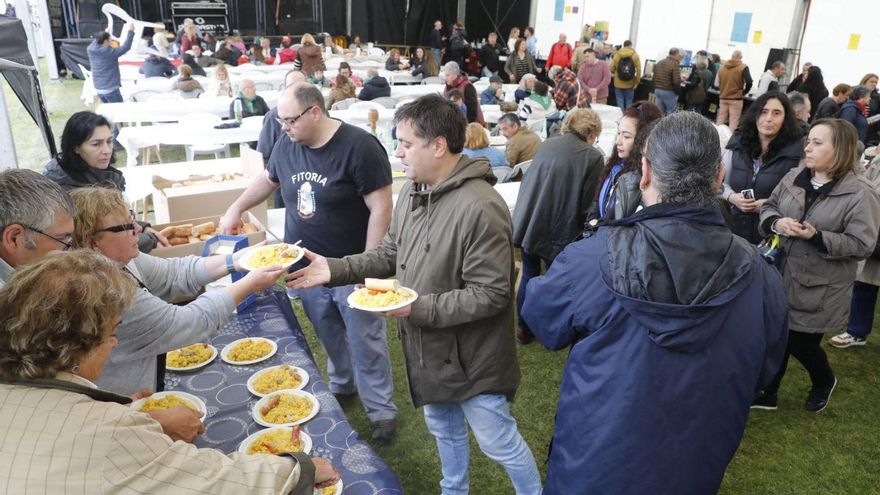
(18, 68)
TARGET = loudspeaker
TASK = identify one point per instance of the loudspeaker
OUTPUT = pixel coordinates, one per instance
(296, 16)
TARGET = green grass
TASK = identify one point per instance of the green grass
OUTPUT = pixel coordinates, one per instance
(789, 451)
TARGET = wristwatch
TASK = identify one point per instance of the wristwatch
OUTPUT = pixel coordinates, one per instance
(230, 264)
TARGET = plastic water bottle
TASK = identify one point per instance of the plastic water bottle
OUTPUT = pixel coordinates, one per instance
(237, 110)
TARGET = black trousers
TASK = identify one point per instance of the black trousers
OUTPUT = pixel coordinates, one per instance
(806, 348)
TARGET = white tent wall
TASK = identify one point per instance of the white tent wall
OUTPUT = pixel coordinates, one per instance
(771, 18)
(618, 14)
(829, 26)
(667, 23)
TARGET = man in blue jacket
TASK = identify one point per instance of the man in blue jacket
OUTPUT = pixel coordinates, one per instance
(674, 324)
(104, 64)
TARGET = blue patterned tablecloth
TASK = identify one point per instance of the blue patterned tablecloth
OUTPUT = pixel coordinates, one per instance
(223, 389)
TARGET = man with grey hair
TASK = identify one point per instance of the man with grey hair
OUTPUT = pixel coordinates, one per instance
(667, 80)
(455, 79)
(675, 320)
(336, 182)
(770, 79)
(36, 217)
(734, 82)
(375, 86)
(800, 106)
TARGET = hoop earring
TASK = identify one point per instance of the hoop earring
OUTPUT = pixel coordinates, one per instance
(75, 369)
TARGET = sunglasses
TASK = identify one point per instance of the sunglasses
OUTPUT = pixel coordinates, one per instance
(290, 121)
(67, 242)
(123, 227)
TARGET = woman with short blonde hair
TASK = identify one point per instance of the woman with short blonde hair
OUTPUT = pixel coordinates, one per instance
(58, 324)
(583, 122)
(153, 325)
(476, 143)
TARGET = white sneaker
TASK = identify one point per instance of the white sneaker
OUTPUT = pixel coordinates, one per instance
(845, 339)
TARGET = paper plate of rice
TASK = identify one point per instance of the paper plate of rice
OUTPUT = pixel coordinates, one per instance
(249, 350)
(376, 301)
(275, 378)
(169, 399)
(191, 357)
(276, 440)
(285, 408)
(330, 490)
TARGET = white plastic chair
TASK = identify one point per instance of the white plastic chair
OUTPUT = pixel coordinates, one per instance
(539, 127)
(167, 97)
(265, 86)
(403, 101)
(385, 101)
(89, 94)
(203, 119)
(519, 170)
(191, 95)
(144, 95)
(366, 105)
(376, 52)
(344, 104)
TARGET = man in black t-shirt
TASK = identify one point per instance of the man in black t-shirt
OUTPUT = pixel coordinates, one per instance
(335, 179)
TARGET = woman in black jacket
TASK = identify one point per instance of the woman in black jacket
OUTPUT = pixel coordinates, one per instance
(619, 195)
(86, 159)
(768, 144)
(814, 87)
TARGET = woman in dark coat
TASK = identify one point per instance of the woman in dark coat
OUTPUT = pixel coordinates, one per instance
(769, 144)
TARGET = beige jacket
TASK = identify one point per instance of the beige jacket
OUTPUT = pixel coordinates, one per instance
(522, 146)
(869, 270)
(819, 282)
(66, 436)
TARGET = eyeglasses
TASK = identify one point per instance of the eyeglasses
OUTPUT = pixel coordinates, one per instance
(67, 242)
(290, 121)
(123, 227)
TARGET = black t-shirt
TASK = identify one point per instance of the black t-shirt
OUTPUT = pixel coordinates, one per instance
(323, 189)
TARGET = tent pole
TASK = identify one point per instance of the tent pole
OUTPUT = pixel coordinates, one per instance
(795, 38)
(634, 21)
(348, 17)
(8, 158)
(48, 40)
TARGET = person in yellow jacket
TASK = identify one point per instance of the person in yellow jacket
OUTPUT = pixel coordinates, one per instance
(627, 69)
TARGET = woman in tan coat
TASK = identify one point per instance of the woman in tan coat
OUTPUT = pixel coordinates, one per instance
(827, 219)
(344, 90)
(58, 321)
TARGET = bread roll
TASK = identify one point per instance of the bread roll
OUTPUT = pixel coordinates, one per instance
(203, 228)
(205, 237)
(382, 285)
(183, 230)
(168, 231)
(177, 241)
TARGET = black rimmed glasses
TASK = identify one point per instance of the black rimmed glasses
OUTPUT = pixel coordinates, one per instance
(123, 227)
(67, 242)
(290, 121)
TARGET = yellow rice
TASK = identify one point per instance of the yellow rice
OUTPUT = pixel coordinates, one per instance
(330, 490)
(279, 440)
(369, 298)
(249, 350)
(275, 254)
(166, 402)
(290, 408)
(189, 356)
(277, 379)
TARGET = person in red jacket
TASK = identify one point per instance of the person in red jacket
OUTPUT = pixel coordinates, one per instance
(560, 53)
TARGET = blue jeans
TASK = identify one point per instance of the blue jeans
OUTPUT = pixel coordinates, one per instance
(357, 348)
(113, 97)
(531, 267)
(624, 97)
(667, 100)
(438, 55)
(488, 73)
(496, 433)
(861, 314)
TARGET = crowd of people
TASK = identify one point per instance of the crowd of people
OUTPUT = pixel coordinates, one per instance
(680, 272)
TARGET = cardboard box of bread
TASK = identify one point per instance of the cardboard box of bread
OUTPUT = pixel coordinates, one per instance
(195, 196)
(188, 237)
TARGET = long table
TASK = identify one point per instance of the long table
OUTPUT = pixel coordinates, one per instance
(223, 389)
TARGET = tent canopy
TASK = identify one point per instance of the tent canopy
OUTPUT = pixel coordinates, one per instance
(18, 68)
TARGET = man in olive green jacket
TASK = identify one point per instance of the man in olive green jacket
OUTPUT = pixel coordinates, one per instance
(450, 241)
